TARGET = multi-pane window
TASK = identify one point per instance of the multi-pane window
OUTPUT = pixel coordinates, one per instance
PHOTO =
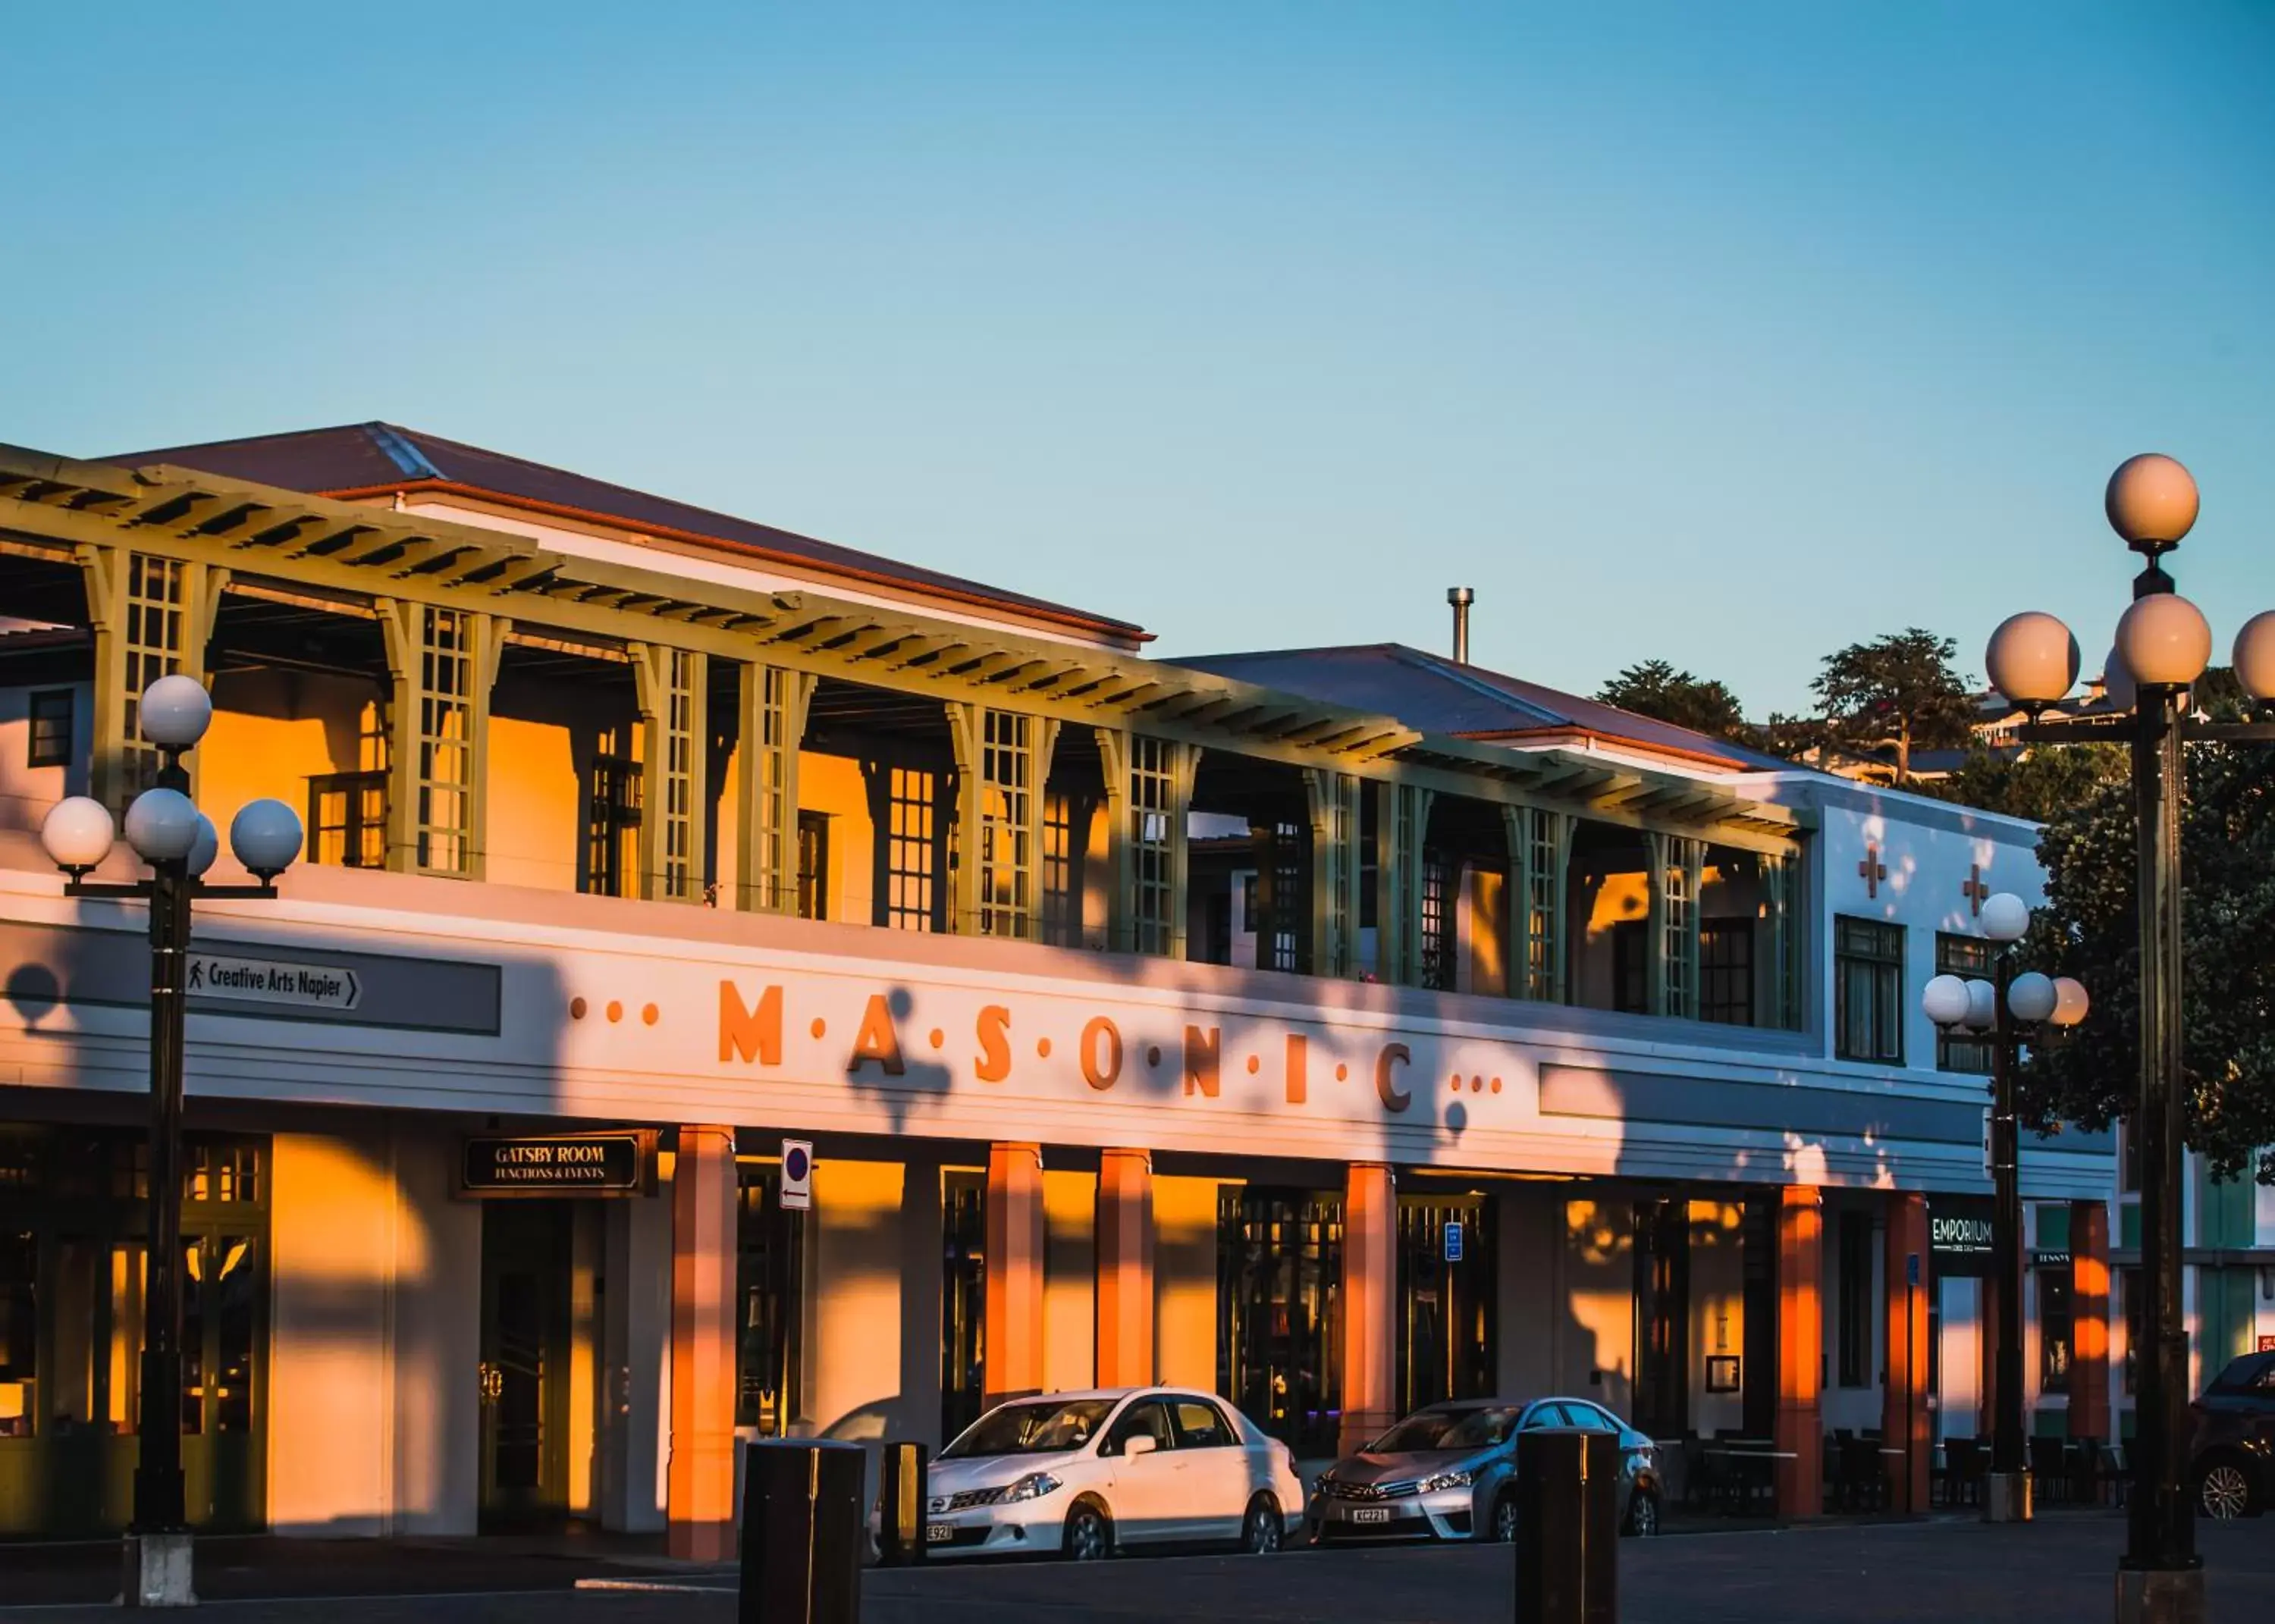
(347, 820)
(1544, 885)
(812, 866)
(1678, 918)
(675, 856)
(612, 825)
(1153, 847)
(1061, 895)
(912, 866)
(49, 743)
(1283, 902)
(446, 740)
(1437, 944)
(1006, 792)
(154, 590)
(1725, 971)
(1868, 989)
(1855, 1324)
(1969, 956)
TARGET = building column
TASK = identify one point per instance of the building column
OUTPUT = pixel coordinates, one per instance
(2089, 1304)
(1801, 1352)
(1013, 1337)
(1370, 1303)
(699, 1485)
(1904, 1418)
(1125, 1269)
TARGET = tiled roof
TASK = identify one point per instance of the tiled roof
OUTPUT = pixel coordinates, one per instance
(363, 459)
(1430, 693)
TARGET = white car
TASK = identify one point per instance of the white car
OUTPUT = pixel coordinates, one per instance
(1090, 1473)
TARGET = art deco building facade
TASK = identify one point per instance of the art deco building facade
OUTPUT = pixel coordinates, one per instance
(1336, 1029)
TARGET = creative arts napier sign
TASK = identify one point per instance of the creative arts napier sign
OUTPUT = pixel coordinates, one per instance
(568, 1164)
(750, 1033)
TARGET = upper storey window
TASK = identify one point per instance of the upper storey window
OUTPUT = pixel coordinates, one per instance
(1868, 989)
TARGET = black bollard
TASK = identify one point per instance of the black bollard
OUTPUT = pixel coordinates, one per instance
(1568, 1529)
(802, 1532)
(901, 1507)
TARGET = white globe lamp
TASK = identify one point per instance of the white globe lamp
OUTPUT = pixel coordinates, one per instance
(2032, 997)
(2164, 640)
(175, 711)
(1982, 1005)
(2151, 501)
(2254, 656)
(2070, 1002)
(2117, 685)
(1944, 1001)
(2032, 659)
(162, 826)
(2006, 917)
(78, 833)
(206, 849)
(265, 834)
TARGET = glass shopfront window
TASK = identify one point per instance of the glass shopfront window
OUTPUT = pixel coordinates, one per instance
(73, 1267)
(769, 1295)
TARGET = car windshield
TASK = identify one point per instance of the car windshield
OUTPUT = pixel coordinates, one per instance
(1045, 1427)
(1428, 1429)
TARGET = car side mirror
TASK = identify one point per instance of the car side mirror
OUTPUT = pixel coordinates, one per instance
(1141, 1443)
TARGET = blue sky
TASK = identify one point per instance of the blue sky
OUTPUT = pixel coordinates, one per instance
(1725, 333)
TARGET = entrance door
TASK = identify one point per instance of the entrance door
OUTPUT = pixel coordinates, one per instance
(525, 1369)
(1278, 1291)
(1662, 1258)
(1446, 1278)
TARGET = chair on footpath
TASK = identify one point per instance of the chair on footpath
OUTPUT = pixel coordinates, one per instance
(2115, 1472)
(2085, 1471)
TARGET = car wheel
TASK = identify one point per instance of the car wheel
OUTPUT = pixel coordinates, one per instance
(1502, 1529)
(1643, 1514)
(2223, 1491)
(1261, 1530)
(1089, 1539)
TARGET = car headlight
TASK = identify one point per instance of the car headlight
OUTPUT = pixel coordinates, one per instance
(1033, 1486)
(1448, 1480)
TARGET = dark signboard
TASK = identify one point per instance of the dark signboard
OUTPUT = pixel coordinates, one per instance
(621, 1163)
(1960, 1230)
(2050, 1260)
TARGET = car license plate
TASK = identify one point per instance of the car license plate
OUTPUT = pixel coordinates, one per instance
(1370, 1514)
(939, 1533)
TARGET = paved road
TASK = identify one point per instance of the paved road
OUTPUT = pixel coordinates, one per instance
(1952, 1573)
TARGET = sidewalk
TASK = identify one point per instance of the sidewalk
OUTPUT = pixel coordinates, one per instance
(261, 1566)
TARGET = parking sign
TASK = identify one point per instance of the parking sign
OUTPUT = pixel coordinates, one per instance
(796, 1175)
(1454, 1242)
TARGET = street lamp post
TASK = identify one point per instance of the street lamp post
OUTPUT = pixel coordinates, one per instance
(2163, 645)
(2011, 1001)
(178, 842)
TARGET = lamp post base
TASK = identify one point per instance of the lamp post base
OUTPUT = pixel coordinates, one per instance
(2160, 1596)
(157, 1571)
(2006, 1497)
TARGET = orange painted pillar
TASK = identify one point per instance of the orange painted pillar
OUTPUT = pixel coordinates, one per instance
(1125, 1268)
(1904, 1420)
(1369, 1305)
(700, 1481)
(2089, 1300)
(1801, 1352)
(1011, 1350)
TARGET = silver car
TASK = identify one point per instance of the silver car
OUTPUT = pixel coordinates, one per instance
(1448, 1472)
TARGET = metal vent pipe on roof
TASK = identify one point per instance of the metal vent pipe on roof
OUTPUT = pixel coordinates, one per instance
(1461, 597)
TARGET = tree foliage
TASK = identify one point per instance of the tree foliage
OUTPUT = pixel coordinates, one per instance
(2089, 929)
(1656, 689)
(2040, 785)
(1897, 693)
